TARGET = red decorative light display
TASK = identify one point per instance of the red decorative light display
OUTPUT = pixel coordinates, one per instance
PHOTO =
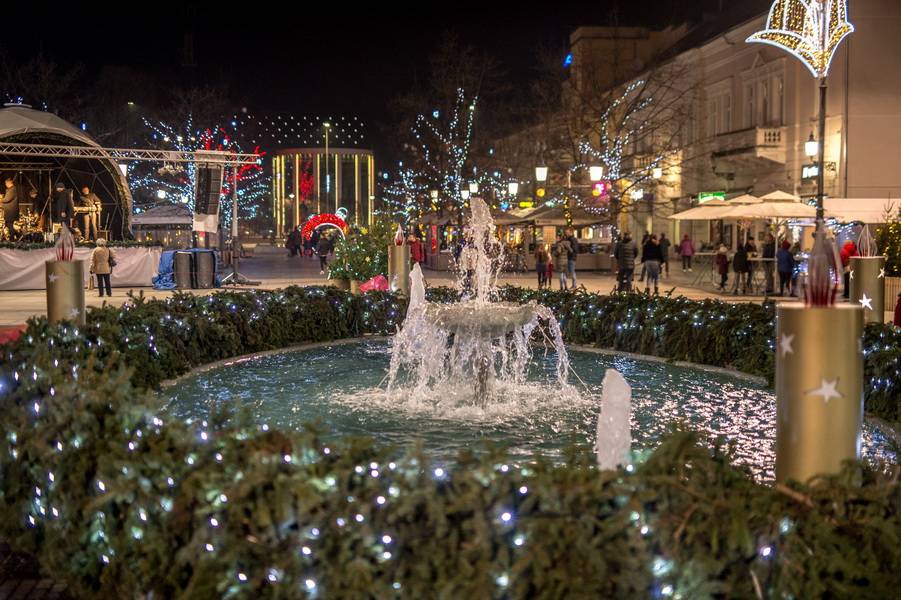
(323, 220)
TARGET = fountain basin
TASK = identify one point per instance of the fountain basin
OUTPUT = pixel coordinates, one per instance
(336, 386)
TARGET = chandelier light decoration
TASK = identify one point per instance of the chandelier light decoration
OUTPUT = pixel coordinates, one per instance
(811, 30)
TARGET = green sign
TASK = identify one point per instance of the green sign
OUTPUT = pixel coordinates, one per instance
(708, 196)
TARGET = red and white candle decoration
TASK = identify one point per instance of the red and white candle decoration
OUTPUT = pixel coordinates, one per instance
(65, 244)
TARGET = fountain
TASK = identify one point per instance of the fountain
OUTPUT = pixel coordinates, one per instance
(479, 340)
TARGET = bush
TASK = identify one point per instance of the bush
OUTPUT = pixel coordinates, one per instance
(120, 502)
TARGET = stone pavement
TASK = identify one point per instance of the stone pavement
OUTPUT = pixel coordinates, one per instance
(275, 269)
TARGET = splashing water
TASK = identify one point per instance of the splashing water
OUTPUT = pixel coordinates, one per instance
(477, 350)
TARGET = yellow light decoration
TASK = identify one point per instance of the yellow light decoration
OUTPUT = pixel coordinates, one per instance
(540, 192)
(809, 29)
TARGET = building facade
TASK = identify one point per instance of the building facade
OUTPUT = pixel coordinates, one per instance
(308, 181)
(750, 110)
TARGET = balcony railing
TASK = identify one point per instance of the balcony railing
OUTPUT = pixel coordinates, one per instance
(767, 143)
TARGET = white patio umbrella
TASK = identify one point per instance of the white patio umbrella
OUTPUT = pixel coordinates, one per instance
(772, 209)
(709, 211)
(744, 199)
(780, 196)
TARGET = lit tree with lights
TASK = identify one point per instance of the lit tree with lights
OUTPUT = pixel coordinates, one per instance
(175, 182)
(633, 123)
(439, 122)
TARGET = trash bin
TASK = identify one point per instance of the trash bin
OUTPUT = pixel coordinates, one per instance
(184, 270)
(203, 263)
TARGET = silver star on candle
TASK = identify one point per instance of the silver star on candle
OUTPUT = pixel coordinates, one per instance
(74, 312)
(866, 302)
(785, 344)
(881, 274)
(826, 390)
(851, 276)
(52, 277)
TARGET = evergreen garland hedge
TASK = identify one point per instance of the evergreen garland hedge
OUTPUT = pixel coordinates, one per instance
(119, 502)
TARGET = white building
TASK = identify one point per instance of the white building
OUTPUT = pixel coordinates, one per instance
(755, 106)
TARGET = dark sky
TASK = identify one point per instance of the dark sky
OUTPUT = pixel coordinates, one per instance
(310, 58)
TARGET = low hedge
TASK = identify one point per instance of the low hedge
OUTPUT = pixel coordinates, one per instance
(120, 502)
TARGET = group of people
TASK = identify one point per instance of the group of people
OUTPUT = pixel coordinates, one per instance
(654, 260)
(777, 259)
(322, 244)
(61, 208)
(562, 258)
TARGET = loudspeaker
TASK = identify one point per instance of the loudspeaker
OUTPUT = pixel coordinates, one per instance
(207, 189)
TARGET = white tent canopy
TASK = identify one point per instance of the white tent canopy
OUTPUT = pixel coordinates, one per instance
(865, 210)
(20, 124)
(165, 214)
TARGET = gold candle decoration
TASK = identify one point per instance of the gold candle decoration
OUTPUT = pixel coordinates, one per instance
(65, 290)
(868, 286)
(819, 388)
(399, 269)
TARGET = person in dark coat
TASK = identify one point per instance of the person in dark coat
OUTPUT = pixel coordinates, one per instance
(323, 248)
(573, 255)
(740, 267)
(293, 242)
(625, 254)
(541, 262)
(651, 257)
(63, 204)
(722, 266)
(665, 245)
(785, 263)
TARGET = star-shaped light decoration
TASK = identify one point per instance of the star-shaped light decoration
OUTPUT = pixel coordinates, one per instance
(74, 313)
(809, 29)
(826, 390)
(52, 277)
(785, 344)
(866, 302)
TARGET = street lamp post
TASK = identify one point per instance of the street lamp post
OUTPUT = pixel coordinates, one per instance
(327, 126)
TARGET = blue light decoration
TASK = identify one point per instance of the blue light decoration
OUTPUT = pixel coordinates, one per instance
(810, 30)
(568, 61)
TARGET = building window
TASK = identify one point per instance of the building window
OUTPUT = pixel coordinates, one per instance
(750, 119)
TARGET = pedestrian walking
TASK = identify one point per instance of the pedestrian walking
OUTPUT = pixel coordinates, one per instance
(785, 264)
(561, 252)
(722, 266)
(651, 258)
(644, 240)
(541, 262)
(686, 250)
(740, 267)
(323, 248)
(102, 262)
(625, 254)
(573, 255)
(665, 245)
(848, 250)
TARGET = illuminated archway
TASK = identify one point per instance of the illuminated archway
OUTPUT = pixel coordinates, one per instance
(317, 222)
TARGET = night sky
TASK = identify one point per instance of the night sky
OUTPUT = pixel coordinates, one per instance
(325, 58)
